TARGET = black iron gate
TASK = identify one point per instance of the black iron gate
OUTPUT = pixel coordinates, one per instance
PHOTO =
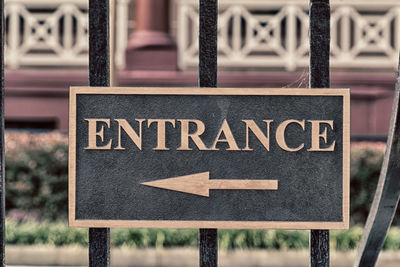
(387, 196)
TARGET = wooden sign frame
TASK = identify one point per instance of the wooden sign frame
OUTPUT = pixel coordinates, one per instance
(73, 222)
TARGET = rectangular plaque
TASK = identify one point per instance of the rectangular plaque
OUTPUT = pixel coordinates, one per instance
(209, 158)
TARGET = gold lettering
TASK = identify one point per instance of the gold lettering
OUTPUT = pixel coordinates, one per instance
(161, 136)
(280, 135)
(93, 133)
(250, 124)
(316, 135)
(228, 138)
(194, 136)
(136, 138)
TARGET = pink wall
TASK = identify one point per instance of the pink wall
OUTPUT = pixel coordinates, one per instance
(35, 95)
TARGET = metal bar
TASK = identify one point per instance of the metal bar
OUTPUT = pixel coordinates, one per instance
(387, 194)
(319, 248)
(99, 43)
(208, 43)
(208, 30)
(319, 43)
(112, 43)
(208, 247)
(2, 154)
(99, 75)
(319, 78)
(99, 247)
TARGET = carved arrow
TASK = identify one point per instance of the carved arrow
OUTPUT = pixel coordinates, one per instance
(200, 184)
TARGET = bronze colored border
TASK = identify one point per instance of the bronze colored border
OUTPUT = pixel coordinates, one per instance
(73, 222)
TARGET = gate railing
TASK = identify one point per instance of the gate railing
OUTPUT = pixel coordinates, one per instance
(252, 33)
(55, 33)
(274, 34)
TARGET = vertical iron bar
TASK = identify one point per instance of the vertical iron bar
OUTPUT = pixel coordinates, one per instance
(208, 78)
(99, 75)
(319, 43)
(99, 247)
(208, 43)
(319, 248)
(208, 247)
(2, 129)
(99, 43)
(319, 78)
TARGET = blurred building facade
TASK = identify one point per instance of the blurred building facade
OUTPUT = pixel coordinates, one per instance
(262, 43)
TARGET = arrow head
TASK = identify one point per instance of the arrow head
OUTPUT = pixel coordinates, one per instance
(196, 184)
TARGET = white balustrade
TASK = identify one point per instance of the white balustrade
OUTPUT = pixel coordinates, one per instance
(253, 34)
(274, 34)
(54, 33)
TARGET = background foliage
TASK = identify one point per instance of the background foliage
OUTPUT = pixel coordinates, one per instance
(37, 184)
(59, 234)
(36, 175)
(37, 201)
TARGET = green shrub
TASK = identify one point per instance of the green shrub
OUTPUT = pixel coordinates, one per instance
(141, 238)
(366, 162)
(392, 241)
(36, 178)
(36, 186)
(263, 239)
(34, 233)
(36, 174)
(346, 240)
(59, 234)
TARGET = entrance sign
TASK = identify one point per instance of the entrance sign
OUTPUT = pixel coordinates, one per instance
(209, 158)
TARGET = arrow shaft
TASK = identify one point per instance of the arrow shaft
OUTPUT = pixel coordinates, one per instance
(244, 184)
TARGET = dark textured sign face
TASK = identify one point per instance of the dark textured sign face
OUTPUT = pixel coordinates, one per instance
(209, 158)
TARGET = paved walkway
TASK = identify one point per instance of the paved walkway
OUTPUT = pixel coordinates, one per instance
(24, 256)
